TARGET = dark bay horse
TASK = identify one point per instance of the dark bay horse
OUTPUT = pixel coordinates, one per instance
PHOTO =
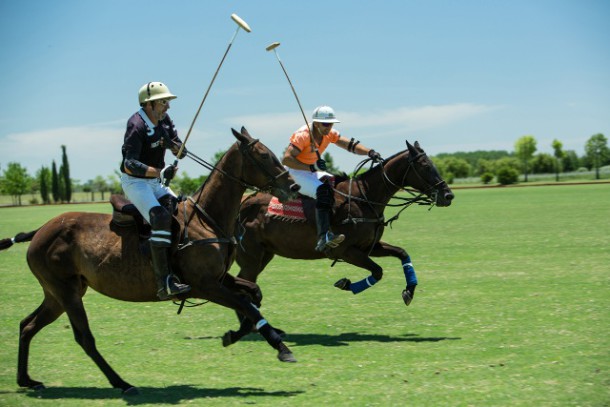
(78, 250)
(358, 213)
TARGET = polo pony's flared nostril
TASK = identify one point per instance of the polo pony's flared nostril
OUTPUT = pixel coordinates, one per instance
(295, 187)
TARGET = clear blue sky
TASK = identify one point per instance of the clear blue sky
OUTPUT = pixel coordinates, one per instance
(455, 75)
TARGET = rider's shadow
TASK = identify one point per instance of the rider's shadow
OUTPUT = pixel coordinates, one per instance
(344, 339)
(166, 395)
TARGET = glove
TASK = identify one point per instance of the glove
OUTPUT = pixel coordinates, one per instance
(320, 165)
(374, 155)
(181, 156)
(167, 174)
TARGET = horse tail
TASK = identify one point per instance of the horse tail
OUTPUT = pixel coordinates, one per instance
(19, 238)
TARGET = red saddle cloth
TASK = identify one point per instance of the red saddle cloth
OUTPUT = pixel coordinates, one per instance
(291, 210)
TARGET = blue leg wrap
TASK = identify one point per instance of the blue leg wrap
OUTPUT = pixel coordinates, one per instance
(362, 285)
(409, 272)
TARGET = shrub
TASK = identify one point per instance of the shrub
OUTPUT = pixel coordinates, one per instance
(449, 178)
(507, 176)
(487, 177)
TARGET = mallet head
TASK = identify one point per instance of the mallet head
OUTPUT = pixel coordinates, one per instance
(272, 46)
(241, 22)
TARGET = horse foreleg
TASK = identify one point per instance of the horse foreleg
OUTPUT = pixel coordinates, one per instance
(222, 295)
(45, 314)
(360, 259)
(383, 249)
(82, 334)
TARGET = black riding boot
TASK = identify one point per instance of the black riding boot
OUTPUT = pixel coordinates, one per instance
(168, 285)
(324, 207)
(160, 243)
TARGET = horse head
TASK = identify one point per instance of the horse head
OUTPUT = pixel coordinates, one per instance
(426, 177)
(263, 170)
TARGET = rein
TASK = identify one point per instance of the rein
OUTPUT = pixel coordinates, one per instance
(417, 197)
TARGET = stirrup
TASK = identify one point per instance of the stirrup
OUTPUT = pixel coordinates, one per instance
(329, 241)
(172, 287)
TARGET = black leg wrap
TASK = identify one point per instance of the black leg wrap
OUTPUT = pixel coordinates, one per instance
(270, 336)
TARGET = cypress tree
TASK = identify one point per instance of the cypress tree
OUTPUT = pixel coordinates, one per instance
(54, 183)
(66, 175)
(44, 185)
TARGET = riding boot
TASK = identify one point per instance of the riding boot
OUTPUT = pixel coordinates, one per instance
(326, 238)
(168, 284)
(160, 243)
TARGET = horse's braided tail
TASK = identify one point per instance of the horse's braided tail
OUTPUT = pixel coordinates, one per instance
(19, 238)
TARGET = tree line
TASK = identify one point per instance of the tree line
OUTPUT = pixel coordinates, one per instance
(506, 167)
(54, 185)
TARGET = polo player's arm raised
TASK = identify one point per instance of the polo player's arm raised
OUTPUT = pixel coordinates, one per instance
(354, 146)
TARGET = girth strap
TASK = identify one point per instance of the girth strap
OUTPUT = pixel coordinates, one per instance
(231, 240)
(350, 219)
(226, 240)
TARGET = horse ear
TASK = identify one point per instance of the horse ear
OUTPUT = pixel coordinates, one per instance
(245, 132)
(412, 149)
(417, 145)
(239, 136)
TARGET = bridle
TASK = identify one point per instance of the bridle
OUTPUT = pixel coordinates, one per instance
(271, 179)
(429, 193)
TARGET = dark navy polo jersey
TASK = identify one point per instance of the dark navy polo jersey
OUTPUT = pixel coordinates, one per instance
(144, 146)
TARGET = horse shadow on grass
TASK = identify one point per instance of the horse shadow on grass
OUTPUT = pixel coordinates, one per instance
(343, 339)
(154, 395)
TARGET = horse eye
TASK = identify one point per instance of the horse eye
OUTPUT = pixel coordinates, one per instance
(265, 156)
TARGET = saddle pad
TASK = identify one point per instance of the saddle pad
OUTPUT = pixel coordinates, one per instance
(292, 210)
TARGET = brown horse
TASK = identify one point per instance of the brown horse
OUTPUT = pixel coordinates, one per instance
(78, 250)
(358, 213)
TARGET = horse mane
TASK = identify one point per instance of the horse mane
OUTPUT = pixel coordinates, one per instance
(215, 165)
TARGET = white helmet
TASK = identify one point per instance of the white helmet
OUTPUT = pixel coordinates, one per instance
(154, 91)
(324, 114)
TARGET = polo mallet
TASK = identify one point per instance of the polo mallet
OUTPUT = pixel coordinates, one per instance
(240, 24)
(273, 47)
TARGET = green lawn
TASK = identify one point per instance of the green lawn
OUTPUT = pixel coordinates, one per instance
(513, 309)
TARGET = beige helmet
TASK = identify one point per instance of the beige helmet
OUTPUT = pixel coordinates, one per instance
(324, 114)
(154, 91)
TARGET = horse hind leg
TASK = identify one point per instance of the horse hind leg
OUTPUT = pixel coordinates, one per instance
(83, 336)
(45, 314)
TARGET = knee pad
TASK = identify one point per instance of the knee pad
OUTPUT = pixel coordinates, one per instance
(325, 197)
(160, 219)
(169, 202)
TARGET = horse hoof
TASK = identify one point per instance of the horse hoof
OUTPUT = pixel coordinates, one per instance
(407, 297)
(38, 387)
(226, 339)
(286, 356)
(343, 284)
(131, 391)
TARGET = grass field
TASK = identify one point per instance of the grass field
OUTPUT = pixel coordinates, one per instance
(513, 309)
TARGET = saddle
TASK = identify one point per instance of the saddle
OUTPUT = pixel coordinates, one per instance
(125, 214)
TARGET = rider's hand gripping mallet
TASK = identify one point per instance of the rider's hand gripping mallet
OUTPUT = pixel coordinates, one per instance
(273, 47)
(240, 24)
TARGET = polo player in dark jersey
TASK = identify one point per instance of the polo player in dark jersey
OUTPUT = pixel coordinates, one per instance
(150, 131)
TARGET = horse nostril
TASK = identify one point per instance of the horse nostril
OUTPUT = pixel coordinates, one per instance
(449, 196)
(295, 187)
